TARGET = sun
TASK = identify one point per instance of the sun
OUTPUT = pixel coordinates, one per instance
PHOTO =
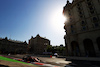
(58, 19)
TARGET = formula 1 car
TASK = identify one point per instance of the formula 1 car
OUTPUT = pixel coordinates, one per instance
(28, 58)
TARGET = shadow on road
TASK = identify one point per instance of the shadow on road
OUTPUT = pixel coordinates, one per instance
(82, 63)
(3, 66)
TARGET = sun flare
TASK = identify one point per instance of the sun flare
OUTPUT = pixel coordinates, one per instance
(58, 19)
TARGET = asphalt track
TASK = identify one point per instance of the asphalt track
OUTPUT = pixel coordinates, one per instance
(34, 64)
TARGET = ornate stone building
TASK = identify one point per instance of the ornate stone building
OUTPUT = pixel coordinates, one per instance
(82, 28)
(14, 47)
(38, 45)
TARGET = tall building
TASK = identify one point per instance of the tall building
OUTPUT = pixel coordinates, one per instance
(38, 45)
(82, 28)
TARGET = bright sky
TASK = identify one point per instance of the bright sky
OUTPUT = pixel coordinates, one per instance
(21, 19)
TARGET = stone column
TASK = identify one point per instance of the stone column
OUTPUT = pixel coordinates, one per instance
(96, 47)
(69, 50)
(81, 47)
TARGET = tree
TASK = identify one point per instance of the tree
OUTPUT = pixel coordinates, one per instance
(49, 48)
(6, 38)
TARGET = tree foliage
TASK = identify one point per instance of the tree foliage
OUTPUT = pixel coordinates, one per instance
(56, 49)
(49, 48)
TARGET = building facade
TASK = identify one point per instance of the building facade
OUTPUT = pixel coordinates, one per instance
(82, 28)
(38, 45)
(12, 47)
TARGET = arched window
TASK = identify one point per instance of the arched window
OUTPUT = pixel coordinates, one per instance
(72, 29)
(83, 23)
(98, 42)
(88, 0)
(89, 4)
(91, 8)
(95, 21)
(89, 48)
(75, 48)
(71, 26)
(84, 28)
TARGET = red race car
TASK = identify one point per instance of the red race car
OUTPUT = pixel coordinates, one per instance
(28, 58)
